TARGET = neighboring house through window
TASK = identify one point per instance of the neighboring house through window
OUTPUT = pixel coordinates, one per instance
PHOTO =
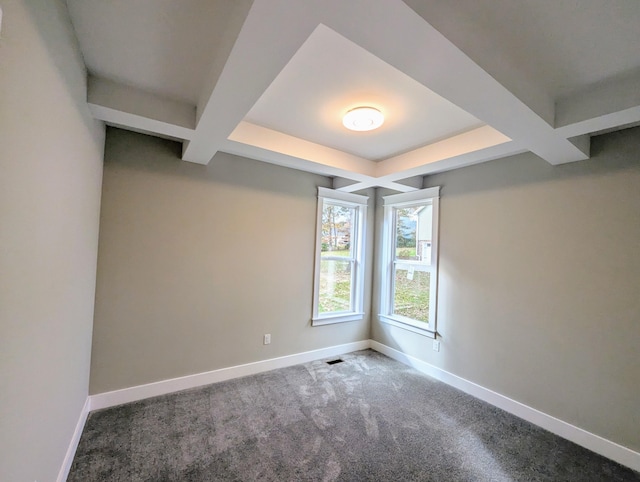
(338, 286)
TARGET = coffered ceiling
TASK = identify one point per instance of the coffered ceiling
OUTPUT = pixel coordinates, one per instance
(458, 82)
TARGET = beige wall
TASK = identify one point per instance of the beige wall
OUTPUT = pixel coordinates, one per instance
(196, 263)
(539, 279)
(50, 178)
(538, 284)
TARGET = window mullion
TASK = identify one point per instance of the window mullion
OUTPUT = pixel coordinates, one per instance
(354, 287)
(337, 258)
(392, 256)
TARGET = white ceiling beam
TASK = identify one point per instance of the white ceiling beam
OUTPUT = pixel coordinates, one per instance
(136, 123)
(268, 39)
(602, 123)
(601, 107)
(415, 182)
(285, 160)
(583, 143)
(222, 51)
(270, 36)
(128, 107)
(498, 151)
(374, 182)
(338, 183)
(250, 140)
(396, 186)
(267, 145)
(461, 160)
(279, 144)
(479, 48)
(465, 143)
(390, 27)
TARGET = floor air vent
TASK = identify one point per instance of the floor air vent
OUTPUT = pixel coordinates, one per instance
(333, 362)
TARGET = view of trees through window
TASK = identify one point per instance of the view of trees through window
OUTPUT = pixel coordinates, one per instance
(409, 255)
(406, 223)
(336, 227)
(336, 258)
(411, 263)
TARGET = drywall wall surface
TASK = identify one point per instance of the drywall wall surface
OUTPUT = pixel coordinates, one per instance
(539, 275)
(196, 263)
(50, 184)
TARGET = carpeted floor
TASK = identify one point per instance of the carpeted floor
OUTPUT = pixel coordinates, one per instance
(368, 418)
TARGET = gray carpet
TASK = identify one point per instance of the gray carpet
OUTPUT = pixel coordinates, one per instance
(368, 418)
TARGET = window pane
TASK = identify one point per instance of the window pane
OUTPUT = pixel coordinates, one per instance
(413, 233)
(335, 286)
(337, 230)
(411, 292)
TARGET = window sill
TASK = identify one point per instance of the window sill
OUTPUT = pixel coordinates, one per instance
(341, 318)
(392, 320)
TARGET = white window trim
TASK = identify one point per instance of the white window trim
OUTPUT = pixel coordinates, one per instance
(357, 289)
(386, 299)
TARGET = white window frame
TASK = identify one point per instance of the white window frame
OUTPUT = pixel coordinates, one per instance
(391, 203)
(357, 242)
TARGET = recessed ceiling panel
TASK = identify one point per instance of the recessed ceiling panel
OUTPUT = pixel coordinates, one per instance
(161, 46)
(329, 75)
(564, 46)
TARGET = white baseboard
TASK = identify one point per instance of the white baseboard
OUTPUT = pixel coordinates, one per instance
(73, 445)
(595, 443)
(140, 392)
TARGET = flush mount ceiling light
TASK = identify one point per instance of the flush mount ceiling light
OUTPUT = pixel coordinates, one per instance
(363, 119)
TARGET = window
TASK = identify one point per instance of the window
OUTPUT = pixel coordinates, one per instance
(338, 286)
(410, 260)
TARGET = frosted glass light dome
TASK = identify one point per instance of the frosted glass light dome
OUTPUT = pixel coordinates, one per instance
(363, 119)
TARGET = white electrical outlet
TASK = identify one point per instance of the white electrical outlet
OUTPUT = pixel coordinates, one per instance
(266, 339)
(436, 345)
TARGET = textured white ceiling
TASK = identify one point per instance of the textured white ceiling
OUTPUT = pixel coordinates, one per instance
(330, 75)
